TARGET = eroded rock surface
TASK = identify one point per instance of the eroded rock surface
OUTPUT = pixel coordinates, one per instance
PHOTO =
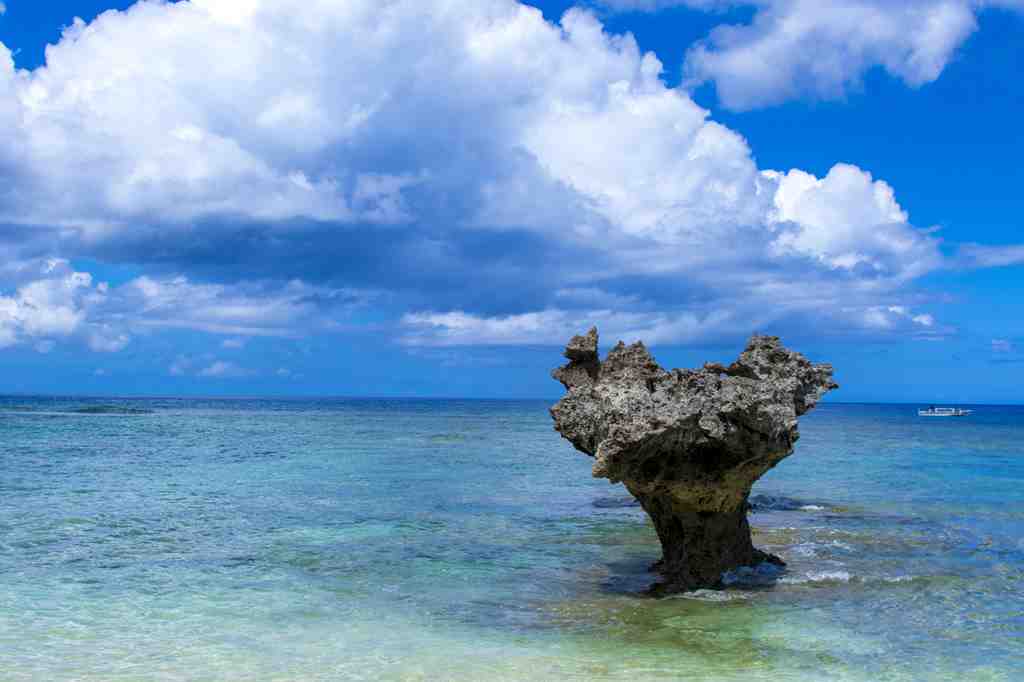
(689, 444)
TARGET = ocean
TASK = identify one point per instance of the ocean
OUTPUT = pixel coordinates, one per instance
(187, 539)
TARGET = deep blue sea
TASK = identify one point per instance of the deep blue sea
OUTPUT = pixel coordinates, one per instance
(449, 540)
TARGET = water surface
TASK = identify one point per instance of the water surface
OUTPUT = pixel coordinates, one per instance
(409, 540)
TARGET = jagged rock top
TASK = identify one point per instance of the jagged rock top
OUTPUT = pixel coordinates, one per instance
(655, 428)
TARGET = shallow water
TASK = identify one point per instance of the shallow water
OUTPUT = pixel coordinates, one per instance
(425, 540)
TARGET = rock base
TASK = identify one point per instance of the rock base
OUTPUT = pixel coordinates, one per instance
(699, 546)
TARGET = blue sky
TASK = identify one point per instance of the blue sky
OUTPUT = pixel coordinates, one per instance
(251, 197)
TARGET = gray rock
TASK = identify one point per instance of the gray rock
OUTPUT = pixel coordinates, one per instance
(689, 444)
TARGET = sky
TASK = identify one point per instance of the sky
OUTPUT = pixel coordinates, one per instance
(429, 197)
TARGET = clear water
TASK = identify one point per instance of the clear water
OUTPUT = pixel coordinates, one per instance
(426, 540)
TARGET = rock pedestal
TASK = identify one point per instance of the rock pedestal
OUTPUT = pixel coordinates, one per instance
(689, 444)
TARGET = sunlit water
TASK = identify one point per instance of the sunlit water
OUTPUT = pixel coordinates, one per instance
(437, 540)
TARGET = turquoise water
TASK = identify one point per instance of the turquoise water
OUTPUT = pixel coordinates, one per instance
(446, 540)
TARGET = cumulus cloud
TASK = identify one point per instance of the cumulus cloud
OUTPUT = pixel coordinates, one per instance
(825, 219)
(52, 305)
(457, 159)
(823, 48)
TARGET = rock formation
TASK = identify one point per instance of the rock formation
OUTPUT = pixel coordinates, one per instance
(689, 444)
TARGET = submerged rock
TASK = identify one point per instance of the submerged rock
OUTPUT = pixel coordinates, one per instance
(771, 503)
(615, 502)
(689, 444)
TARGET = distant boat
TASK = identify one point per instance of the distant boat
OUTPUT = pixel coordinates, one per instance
(943, 412)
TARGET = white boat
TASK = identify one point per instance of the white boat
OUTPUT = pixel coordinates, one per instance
(943, 412)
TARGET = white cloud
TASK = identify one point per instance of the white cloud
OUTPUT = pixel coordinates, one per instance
(848, 220)
(924, 320)
(897, 317)
(232, 344)
(588, 108)
(105, 338)
(50, 306)
(3, 8)
(1002, 346)
(167, 141)
(442, 124)
(291, 309)
(823, 48)
(55, 302)
(982, 256)
(656, 5)
(555, 326)
(220, 369)
(180, 366)
(595, 297)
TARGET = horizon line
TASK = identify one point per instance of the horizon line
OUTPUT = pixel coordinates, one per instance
(88, 396)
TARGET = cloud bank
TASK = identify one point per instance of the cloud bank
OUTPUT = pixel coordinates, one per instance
(491, 178)
(54, 302)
